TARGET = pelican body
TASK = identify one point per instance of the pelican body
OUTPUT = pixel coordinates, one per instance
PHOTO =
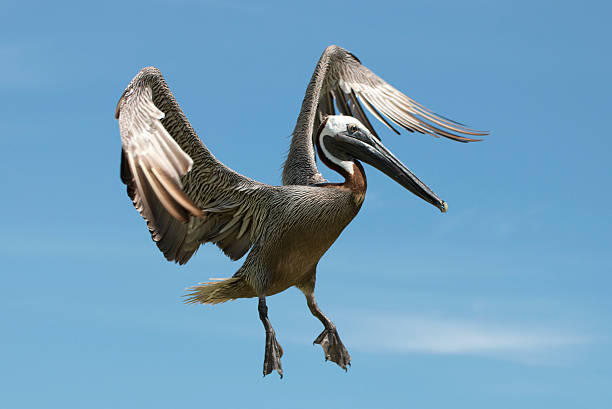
(188, 197)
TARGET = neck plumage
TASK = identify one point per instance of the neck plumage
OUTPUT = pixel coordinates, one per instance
(300, 167)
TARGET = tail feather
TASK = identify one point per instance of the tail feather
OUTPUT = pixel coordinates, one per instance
(220, 291)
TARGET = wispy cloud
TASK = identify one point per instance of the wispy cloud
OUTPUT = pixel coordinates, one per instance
(433, 335)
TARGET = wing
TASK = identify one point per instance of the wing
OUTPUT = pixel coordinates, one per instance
(186, 196)
(341, 81)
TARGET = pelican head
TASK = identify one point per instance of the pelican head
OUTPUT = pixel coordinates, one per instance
(342, 139)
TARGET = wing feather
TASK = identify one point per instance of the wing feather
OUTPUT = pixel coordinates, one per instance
(357, 112)
(377, 114)
(351, 76)
(186, 196)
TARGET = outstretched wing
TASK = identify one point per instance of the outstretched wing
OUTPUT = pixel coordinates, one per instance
(349, 82)
(186, 196)
(341, 82)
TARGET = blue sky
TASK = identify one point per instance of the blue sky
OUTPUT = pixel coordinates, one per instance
(502, 302)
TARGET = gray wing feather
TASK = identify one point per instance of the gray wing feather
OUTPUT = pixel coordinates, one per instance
(186, 196)
(349, 76)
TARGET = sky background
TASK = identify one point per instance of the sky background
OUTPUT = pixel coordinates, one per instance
(502, 302)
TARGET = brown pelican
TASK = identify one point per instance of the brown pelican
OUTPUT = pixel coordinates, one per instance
(188, 197)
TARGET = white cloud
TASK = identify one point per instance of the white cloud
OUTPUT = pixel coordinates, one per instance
(433, 335)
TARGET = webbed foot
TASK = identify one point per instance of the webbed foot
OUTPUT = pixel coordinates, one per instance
(333, 348)
(274, 352)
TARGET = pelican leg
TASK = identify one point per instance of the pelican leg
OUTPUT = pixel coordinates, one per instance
(333, 348)
(274, 351)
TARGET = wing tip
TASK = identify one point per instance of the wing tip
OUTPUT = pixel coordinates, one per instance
(118, 107)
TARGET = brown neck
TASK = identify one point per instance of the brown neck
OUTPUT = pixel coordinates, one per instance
(357, 182)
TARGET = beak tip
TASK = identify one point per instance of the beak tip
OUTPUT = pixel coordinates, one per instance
(443, 207)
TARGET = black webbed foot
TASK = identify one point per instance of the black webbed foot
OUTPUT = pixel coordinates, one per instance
(333, 348)
(273, 349)
(274, 352)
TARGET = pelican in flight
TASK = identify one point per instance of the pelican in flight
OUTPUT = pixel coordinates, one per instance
(187, 197)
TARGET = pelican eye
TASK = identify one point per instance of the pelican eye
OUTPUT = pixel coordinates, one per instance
(352, 128)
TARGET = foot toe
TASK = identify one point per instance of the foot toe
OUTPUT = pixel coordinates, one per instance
(274, 352)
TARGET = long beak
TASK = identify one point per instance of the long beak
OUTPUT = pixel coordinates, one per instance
(381, 158)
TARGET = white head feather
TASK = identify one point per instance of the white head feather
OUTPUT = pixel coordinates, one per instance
(334, 125)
